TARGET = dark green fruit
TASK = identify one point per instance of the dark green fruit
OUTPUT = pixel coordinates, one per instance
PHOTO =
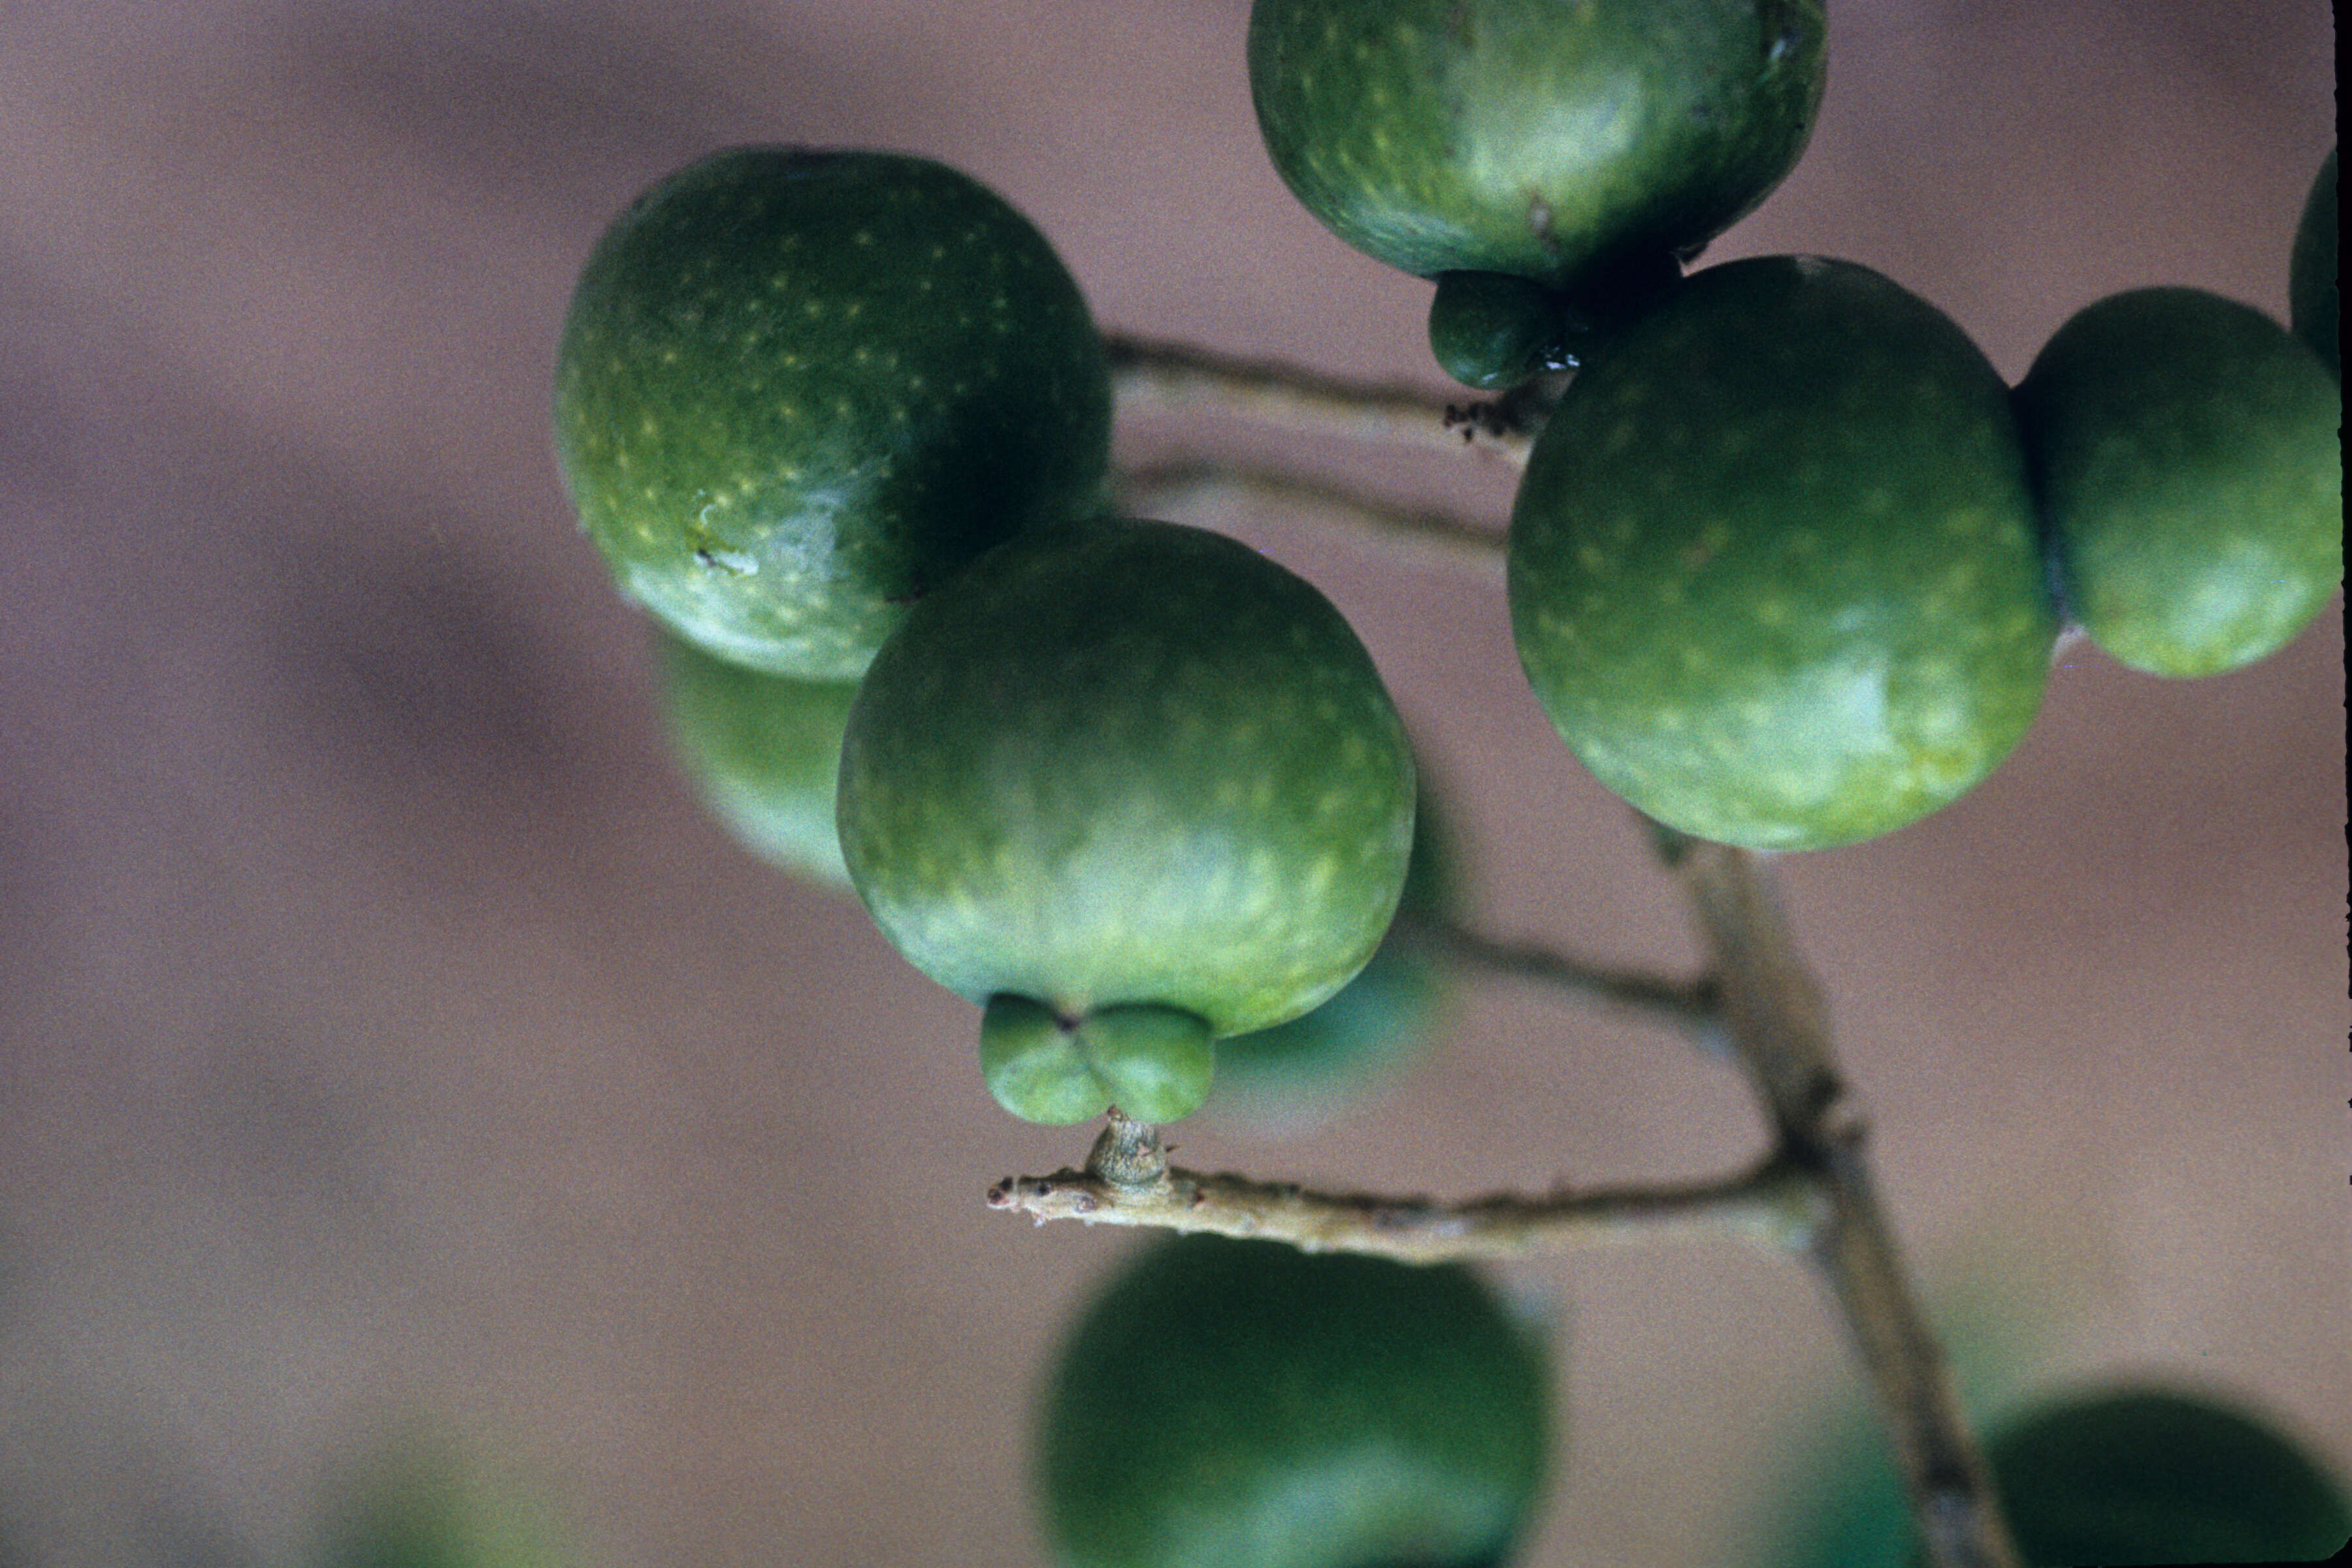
(2185, 456)
(1537, 138)
(2148, 1475)
(797, 390)
(1240, 1402)
(1773, 566)
(1297, 1076)
(2315, 297)
(1120, 770)
(1492, 331)
(764, 750)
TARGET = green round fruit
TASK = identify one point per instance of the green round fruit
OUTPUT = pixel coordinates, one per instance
(764, 751)
(1532, 137)
(1774, 566)
(1229, 1403)
(797, 390)
(2315, 297)
(2185, 452)
(1297, 1076)
(1119, 770)
(2148, 1475)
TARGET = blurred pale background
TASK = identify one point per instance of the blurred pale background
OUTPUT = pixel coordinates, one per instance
(387, 1039)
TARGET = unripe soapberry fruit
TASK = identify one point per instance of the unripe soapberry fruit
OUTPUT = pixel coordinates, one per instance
(1229, 1403)
(1531, 137)
(797, 390)
(1774, 566)
(2147, 1475)
(2186, 458)
(764, 752)
(1132, 787)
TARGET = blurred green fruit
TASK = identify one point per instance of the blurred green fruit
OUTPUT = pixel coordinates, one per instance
(1547, 141)
(797, 390)
(764, 751)
(2185, 456)
(2148, 1475)
(1774, 570)
(2315, 294)
(1244, 1404)
(1120, 769)
(1294, 1076)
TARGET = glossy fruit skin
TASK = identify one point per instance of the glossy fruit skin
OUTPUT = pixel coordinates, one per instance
(1296, 1077)
(1231, 1403)
(798, 389)
(2147, 1475)
(2186, 457)
(2315, 295)
(1774, 566)
(1531, 137)
(1129, 763)
(764, 753)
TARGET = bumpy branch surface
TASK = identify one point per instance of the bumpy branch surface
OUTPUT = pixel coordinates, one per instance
(1150, 373)
(1128, 1181)
(1779, 1029)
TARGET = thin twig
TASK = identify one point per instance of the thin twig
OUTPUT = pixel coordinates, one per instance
(1155, 373)
(1778, 1028)
(1688, 1004)
(1774, 1206)
(1425, 534)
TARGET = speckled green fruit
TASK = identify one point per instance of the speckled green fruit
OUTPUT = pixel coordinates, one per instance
(1774, 566)
(2315, 296)
(764, 752)
(1121, 764)
(2147, 1475)
(2184, 451)
(1297, 1077)
(1240, 1402)
(797, 390)
(1532, 137)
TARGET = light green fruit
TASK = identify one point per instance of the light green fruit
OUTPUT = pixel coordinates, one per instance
(1242, 1405)
(798, 389)
(764, 752)
(1120, 769)
(1774, 571)
(2186, 455)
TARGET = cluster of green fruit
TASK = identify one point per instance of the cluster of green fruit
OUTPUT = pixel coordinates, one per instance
(1787, 569)
(841, 422)
(1789, 559)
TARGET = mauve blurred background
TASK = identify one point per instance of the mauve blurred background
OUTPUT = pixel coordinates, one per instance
(390, 1045)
